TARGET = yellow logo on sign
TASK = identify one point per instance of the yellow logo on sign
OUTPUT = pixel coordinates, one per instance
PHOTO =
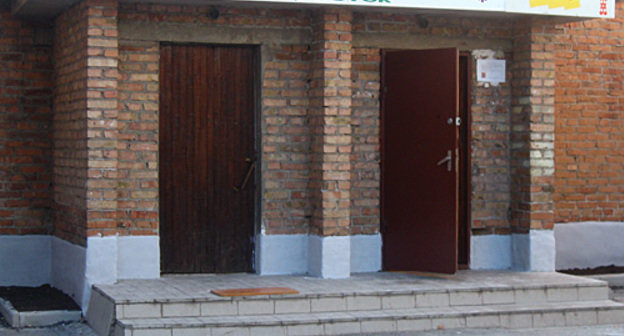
(567, 4)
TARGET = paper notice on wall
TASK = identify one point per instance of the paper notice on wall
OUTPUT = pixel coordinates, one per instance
(491, 70)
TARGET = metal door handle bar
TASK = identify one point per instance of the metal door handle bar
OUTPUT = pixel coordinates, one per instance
(243, 184)
(448, 159)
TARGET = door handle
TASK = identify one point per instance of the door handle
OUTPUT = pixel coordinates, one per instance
(250, 170)
(448, 159)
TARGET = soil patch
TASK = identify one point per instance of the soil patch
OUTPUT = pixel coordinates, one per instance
(593, 271)
(42, 298)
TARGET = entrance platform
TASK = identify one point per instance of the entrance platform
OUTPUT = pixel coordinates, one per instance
(364, 303)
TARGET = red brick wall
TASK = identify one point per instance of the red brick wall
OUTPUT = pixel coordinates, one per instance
(284, 123)
(25, 126)
(70, 126)
(589, 147)
(138, 138)
(365, 171)
(490, 146)
(85, 121)
(330, 122)
(286, 140)
(287, 84)
(102, 114)
(491, 108)
(532, 125)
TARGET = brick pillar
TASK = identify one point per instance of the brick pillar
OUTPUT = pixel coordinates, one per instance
(330, 117)
(532, 145)
(102, 79)
(85, 112)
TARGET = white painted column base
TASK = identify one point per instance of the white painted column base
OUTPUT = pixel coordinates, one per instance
(329, 257)
(115, 258)
(534, 251)
(589, 244)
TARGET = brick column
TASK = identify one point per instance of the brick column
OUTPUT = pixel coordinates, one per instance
(102, 78)
(532, 145)
(85, 113)
(330, 117)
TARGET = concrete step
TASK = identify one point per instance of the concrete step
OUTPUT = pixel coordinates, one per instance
(355, 301)
(387, 320)
(186, 304)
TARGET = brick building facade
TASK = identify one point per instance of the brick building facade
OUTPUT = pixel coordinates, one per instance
(80, 99)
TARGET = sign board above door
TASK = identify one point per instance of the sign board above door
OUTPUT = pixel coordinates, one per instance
(578, 8)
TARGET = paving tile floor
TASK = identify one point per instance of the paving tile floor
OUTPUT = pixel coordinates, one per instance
(199, 286)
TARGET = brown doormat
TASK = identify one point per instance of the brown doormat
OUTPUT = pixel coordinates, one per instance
(254, 291)
(42, 298)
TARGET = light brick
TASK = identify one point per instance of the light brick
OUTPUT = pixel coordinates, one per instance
(378, 326)
(181, 309)
(433, 299)
(292, 306)
(142, 310)
(362, 302)
(255, 307)
(305, 330)
(328, 304)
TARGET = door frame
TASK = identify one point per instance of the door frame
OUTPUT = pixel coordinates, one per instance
(465, 162)
(257, 50)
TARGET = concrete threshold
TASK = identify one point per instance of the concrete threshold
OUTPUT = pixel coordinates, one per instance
(17, 319)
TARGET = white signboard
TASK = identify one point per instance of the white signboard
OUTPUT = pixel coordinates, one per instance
(580, 8)
(491, 70)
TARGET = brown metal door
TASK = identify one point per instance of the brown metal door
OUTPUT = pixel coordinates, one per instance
(419, 160)
(207, 151)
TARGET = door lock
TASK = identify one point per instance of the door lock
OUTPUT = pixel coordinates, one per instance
(456, 121)
(448, 160)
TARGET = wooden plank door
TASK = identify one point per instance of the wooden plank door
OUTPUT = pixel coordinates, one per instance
(207, 150)
(419, 160)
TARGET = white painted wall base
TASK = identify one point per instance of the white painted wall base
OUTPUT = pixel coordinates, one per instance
(534, 251)
(25, 260)
(329, 257)
(37, 260)
(68, 268)
(301, 254)
(490, 252)
(589, 244)
(282, 254)
(366, 253)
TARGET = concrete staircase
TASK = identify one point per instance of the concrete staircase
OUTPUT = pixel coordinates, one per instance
(521, 305)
